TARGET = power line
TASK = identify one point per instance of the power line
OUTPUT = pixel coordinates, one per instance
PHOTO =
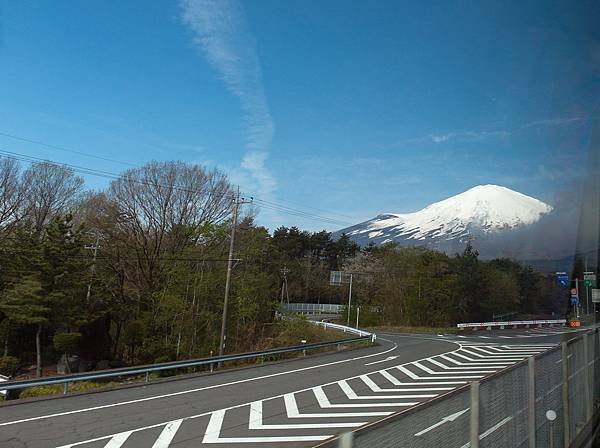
(113, 176)
(62, 148)
(272, 204)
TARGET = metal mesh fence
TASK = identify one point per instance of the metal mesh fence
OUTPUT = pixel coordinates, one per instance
(595, 349)
(577, 387)
(548, 397)
(535, 403)
(503, 402)
(425, 426)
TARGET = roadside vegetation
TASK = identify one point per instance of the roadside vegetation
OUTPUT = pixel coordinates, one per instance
(135, 273)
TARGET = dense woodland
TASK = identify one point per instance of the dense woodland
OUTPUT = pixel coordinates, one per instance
(136, 273)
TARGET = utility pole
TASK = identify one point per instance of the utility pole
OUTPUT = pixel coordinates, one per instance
(93, 247)
(349, 300)
(284, 271)
(236, 203)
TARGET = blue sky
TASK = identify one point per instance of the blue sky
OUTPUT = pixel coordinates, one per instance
(353, 108)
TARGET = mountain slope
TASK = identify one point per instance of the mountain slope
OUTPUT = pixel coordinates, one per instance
(484, 209)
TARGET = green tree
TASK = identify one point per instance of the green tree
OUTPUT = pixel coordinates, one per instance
(26, 304)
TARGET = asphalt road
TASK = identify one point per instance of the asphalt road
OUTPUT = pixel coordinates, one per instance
(297, 403)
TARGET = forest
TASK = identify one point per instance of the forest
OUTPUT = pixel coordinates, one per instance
(135, 273)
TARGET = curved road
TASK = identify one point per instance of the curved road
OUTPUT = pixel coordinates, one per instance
(295, 403)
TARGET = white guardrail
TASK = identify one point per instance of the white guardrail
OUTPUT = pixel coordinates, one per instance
(345, 329)
(512, 323)
(2, 379)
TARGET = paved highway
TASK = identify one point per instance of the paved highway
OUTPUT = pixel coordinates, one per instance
(296, 403)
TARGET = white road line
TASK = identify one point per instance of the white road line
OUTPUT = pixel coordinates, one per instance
(215, 424)
(255, 421)
(353, 396)
(325, 403)
(375, 388)
(292, 411)
(168, 433)
(389, 358)
(190, 391)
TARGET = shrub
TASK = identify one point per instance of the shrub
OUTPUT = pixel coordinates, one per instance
(8, 365)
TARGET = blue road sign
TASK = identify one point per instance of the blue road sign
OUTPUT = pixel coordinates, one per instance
(574, 300)
(563, 279)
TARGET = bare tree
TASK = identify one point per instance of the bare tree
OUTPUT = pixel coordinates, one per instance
(161, 208)
(11, 195)
(51, 190)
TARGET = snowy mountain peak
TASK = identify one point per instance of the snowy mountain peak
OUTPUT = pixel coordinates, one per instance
(484, 208)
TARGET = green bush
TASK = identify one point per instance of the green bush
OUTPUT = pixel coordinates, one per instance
(8, 365)
(67, 342)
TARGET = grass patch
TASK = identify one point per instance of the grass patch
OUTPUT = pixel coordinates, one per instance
(56, 389)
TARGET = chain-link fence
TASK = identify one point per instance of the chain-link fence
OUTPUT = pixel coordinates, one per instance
(551, 400)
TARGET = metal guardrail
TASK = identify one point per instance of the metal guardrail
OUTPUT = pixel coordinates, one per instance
(312, 308)
(3, 379)
(346, 329)
(512, 323)
(147, 369)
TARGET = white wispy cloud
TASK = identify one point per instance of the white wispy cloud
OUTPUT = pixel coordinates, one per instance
(475, 135)
(220, 31)
(551, 122)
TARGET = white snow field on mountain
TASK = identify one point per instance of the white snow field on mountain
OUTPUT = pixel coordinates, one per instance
(483, 209)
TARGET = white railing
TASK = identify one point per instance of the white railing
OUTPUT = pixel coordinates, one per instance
(512, 323)
(345, 329)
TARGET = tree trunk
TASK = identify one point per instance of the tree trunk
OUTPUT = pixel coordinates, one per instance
(5, 347)
(38, 349)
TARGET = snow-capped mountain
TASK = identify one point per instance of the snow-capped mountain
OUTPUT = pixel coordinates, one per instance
(482, 210)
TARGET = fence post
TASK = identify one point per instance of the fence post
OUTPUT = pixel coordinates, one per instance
(65, 387)
(586, 378)
(531, 405)
(346, 440)
(565, 394)
(147, 377)
(474, 414)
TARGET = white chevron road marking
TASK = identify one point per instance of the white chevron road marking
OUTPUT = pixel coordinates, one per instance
(433, 372)
(168, 433)
(392, 379)
(353, 396)
(292, 410)
(118, 440)
(213, 431)
(375, 388)
(325, 403)
(475, 362)
(489, 367)
(256, 421)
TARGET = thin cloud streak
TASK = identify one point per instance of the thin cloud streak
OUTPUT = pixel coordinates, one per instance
(466, 136)
(221, 33)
